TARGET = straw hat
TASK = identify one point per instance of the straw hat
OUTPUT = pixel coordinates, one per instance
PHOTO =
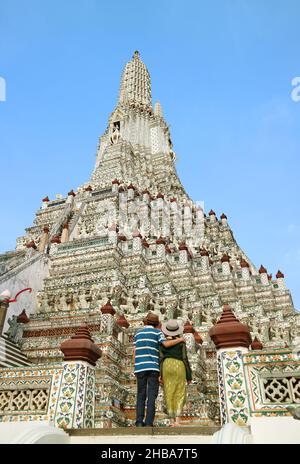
(151, 318)
(173, 327)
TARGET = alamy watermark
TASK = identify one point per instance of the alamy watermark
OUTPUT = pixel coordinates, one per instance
(295, 94)
(2, 89)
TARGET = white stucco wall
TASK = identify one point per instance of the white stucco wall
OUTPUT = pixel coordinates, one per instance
(30, 276)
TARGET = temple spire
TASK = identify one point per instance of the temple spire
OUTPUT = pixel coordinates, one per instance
(135, 82)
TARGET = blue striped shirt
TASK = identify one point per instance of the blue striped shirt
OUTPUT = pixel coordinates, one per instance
(146, 342)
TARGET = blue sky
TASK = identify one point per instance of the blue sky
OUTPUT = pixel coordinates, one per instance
(222, 71)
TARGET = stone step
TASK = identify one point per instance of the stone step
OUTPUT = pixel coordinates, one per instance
(11, 355)
(143, 435)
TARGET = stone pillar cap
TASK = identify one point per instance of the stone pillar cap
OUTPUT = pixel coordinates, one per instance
(122, 322)
(108, 309)
(81, 347)
(23, 318)
(229, 332)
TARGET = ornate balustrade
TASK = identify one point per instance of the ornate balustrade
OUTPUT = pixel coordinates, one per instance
(272, 381)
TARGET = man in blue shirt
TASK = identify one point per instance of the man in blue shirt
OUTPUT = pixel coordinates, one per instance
(146, 367)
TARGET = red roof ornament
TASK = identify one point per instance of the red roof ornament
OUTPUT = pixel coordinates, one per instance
(146, 191)
(262, 270)
(183, 247)
(108, 308)
(198, 338)
(160, 241)
(173, 199)
(88, 189)
(223, 216)
(279, 275)
(122, 322)
(23, 318)
(168, 249)
(71, 193)
(46, 199)
(55, 239)
(46, 230)
(225, 258)
(188, 328)
(121, 189)
(121, 237)
(116, 182)
(131, 187)
(145, 243)
(256, 344)
(244, 263)
(81, 347)
(212, 213)
(31, 244)
(269, 276)
(229, 331)
(160, 195)
(204, 252)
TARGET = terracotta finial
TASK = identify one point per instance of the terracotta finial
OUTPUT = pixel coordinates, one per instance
(262, 270)
(160, 195)
(183, 247)
(31, 244)
(46, 230)
(160, 241)
(81, 347)
(244, 263)
(55, 239)
(72, 193)
(23, 318)
(212, 213)
(188, 328)
(145, 243)
(46, 199)
(131, 186)
(122, 322)
(108, 308)
(116, 181)
(225, 258)
(204, 252)
(223, 216)
(121, 237)
(279, 275)
(256, 344)
(198, 338)
(229, 331)
(88, 188)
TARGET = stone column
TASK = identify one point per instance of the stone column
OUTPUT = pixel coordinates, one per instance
(280, 280)
(76, 397)
(232, 339)
(3, 309)
(225, 264)
(263, 275)
(65, 233)
(44, 240)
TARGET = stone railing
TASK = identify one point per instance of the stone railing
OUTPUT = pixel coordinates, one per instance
(61, 393)
(272, 381)
(28, 393)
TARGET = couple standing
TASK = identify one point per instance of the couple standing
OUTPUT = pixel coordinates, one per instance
(160, 356)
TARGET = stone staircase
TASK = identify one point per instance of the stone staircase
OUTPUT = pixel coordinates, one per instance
(143, 435)
(11, 355)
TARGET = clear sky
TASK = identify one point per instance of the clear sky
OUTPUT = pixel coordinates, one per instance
(222, 70)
